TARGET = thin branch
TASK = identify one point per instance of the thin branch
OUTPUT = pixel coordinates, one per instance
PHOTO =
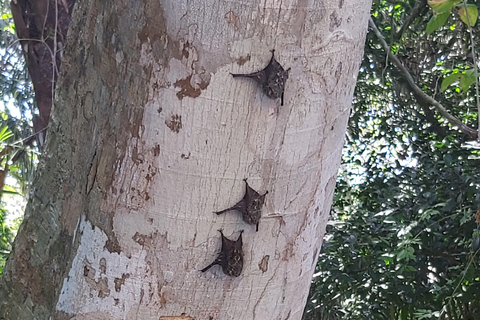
(414, 14)
(22, 141)
(472, 133)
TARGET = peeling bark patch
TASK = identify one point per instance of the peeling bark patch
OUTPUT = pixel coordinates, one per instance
(120, 281)
(183, 316)
(150, 241)
(174, 123)
(112, 245)
(263, 265)
(232, 19)
(241, 61)
(103, 265)
(163, 300)
(335, 22)
(151, 174)
(139, 238)
(101, 285)
(88, 271)
(187, 89)
(288, 252)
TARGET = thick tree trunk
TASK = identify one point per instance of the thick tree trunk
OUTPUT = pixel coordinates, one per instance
(153, 134)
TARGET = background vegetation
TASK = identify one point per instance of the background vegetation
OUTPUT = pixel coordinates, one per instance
(17, 144)
(403, 238)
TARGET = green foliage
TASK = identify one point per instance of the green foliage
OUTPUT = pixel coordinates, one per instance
(6, 239)
(403, 240)
(403, 232)
(450, 79)
(443, 8)
(437, 21)
(469, 14)
(16, 88)
(7, 229)
(466, 79)
(17, 151)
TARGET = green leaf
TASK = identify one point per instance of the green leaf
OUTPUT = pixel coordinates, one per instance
(448, 80)
(406, 254)
(410, 268)
(428, 214)
(5, 133)
(5, 191)
(442, 6)
(472, 12)
(10, 28)
(387, 259)
(437, 21)
(467, 79)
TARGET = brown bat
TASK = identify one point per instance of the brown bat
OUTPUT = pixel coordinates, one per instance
(230, 257)
(250, 206)
(272, 79)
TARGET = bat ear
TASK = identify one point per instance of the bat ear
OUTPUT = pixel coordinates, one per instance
(273, 55)
(262, 197)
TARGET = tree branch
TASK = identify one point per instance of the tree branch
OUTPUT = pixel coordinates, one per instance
(415, 13)
(472, 133)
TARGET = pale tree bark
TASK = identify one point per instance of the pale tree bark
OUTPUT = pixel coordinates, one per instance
(150, 134)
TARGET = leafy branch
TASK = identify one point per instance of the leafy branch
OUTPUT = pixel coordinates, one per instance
(472, 133)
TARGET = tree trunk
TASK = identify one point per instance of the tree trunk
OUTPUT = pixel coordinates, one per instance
(41, 27)
(150, 135)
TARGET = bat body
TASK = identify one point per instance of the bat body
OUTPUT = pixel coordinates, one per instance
(250, 206)
(272, 79)
(230, 257)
